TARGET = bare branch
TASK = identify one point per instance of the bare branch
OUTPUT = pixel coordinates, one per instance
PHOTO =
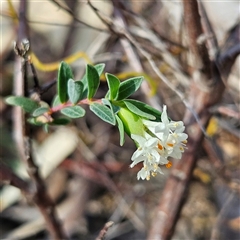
(75, 18)
(194, 27)
(103, 232)
(9, 177)
(22, 131)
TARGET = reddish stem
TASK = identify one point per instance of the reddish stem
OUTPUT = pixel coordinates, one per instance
(69, 104)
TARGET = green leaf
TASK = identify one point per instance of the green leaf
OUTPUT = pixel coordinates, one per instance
(133, 108)
(93, 81)
(99, 67)
(40, 111)
(114, 108)
(121, 129)
(56, 101)
(103, 112)
(128, 87)
(73, 112)
(27, 104)
(64, 73)
(144, 108)
(113, 85)
(60, 121)
(75, 89)
(45, 127)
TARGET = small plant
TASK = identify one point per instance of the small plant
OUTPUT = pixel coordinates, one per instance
(156, 136)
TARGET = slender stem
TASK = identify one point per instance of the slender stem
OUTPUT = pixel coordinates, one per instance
(23, 133)
(75, 18)
(103, 232)
(8, 176)
(69, 104)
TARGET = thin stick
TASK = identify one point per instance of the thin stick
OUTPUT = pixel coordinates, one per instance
(103, 232)
(75, 18)
(9, 177)
(35, 77)
(22, 132)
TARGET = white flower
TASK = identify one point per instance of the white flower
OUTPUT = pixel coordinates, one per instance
(147, 171)
(159, 141)
(175, 144)
(148, 153)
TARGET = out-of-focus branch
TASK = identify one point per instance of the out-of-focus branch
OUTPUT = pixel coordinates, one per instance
(74, 17)
(230, 51)
(194, 28)
(22, 131)
(9, 177)
(210, 36)
(103, 232)
(133, 57)
(178, 181)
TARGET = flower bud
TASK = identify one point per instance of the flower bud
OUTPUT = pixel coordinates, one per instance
(132, 123)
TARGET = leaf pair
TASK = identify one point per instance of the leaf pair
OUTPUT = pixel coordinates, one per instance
(68, 89)
(142, 109)
(119, 91)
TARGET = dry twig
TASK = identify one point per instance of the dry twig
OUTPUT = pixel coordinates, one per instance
(22, 131)
(7, 176)
(103, 232)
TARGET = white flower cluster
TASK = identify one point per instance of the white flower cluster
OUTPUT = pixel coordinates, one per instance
(161, 140)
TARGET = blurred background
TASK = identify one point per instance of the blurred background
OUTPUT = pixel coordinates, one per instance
(86, 172)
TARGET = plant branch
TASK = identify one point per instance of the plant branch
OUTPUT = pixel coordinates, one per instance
(103, 232)
(69, 11)
(22, 130)
(69, 104)
(179, 179)
(193, 24)
(9, 177)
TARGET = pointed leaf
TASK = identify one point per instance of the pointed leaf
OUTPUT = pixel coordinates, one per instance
(144, 108)
(75, 89)
(133, 108)
(121, 129)
(64, 73)
(100, 67)
(93, 81)
(114, 108)
(103, 112)
(40, 111)
(27, 104)
(128, 87)
(73, 112)
(113, 85)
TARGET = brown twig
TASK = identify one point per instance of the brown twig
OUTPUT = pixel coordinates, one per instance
(194, 28)
(22, 131)
(209, 32)
(176, 186)
(230, 51)
(9, 177)
(133, 57)
(74, 17)
(103, 232)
